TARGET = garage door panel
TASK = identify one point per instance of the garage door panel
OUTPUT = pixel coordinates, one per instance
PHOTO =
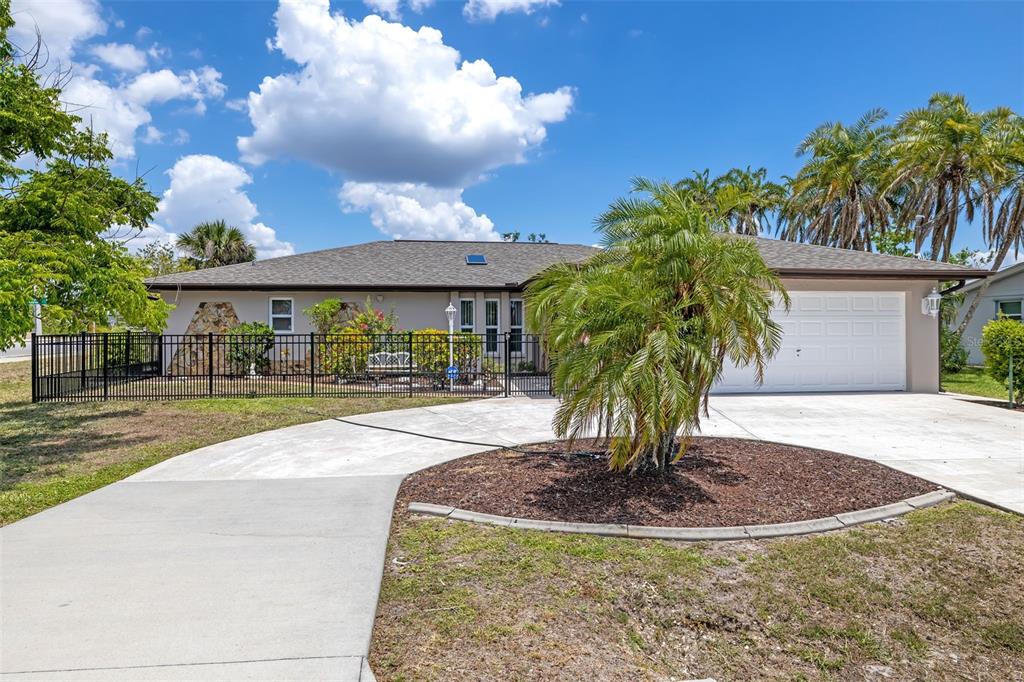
(833, 341)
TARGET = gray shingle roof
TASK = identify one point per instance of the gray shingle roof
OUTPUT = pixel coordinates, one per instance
(442, 265)
(388, 264)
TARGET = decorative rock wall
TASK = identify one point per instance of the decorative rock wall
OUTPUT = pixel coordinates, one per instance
(190, 357)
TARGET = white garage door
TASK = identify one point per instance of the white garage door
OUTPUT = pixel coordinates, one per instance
(833, 341)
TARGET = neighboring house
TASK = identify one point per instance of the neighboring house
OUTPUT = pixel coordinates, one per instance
(856, 321)
(1004, 296)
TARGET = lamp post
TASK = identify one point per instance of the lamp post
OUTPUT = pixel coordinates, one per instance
(450, 312)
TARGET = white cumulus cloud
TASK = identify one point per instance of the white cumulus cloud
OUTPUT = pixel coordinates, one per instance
(387, 8)
(205, 187)
(120, 110)
(120, 56)
(488, 10)
(385, 103)
(63, 24)
(416, 211)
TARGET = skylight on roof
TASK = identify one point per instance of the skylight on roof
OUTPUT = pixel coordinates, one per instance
(475, 259)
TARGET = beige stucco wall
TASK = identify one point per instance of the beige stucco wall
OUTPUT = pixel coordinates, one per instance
(415, 310)
(922, 331)
(418, 310)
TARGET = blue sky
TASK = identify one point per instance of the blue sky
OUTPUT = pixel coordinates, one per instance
(366, 134)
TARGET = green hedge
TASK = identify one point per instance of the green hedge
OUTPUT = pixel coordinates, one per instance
(248, 347)
(1000, 340)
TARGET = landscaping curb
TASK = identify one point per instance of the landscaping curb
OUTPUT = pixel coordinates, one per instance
(772, 530)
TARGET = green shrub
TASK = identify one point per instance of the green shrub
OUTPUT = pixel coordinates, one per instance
(1000, 340)
(372, 321)
(248, 347)
(430, 351)
(954, 355)
(329, 314)
(344, 352)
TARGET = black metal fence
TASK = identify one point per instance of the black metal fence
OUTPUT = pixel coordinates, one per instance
(144, 366)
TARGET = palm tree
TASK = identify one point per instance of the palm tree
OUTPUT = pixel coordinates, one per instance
(947, 158)
(214, 243)
(746, 197)
(742, 197)
(638, 334)
(838, 198)
(1003, 227)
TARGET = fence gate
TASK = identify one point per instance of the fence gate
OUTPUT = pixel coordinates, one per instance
(144, 366)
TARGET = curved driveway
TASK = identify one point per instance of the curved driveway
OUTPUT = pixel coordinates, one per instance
(260, 558)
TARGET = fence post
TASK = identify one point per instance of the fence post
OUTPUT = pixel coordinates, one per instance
(35, 367)
(106, 366)
(209, 360)
(410, 363)
(127, 352)
(160, 355)
(82, 376)
(312, 364)
(508, 365)
(1010, 382)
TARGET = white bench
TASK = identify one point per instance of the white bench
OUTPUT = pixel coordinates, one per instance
(385, 363)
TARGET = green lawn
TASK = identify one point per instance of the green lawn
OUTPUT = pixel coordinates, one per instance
(934, 595)
(51, 453)
(974, 381)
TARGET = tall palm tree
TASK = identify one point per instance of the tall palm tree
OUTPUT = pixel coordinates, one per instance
(746, 197)
(214, 243)
(1003, 227)
(638, 333)
(838, 198)
(947, 157)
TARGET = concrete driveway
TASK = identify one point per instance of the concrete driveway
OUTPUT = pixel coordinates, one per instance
(260, 558)
(973, 448)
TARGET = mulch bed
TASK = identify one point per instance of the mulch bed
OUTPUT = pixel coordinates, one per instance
(719, 482)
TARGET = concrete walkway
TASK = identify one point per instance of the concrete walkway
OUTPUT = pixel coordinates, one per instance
(260, 558)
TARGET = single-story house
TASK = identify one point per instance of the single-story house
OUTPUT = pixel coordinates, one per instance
(856, 321)
(1004, 296)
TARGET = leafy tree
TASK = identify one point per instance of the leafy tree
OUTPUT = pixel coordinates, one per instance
(948, 157)
(161, 259)
(214, 243)
(54, 214)
(372, 321)
(838, 198)
(639, 333)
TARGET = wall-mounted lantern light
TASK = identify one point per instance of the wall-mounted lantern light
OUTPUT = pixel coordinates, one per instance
(930, 303)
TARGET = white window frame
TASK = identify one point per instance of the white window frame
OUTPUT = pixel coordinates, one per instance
(999, 309)
(492, 328)
(514, 348)
(271, 316)
(471, 327)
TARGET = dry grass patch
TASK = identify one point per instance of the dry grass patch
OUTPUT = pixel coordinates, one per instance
(51, 452)
(934, 595)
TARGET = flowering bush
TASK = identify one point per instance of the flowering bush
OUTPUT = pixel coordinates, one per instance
(344, 352)
(371, 321)
(430, 351)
